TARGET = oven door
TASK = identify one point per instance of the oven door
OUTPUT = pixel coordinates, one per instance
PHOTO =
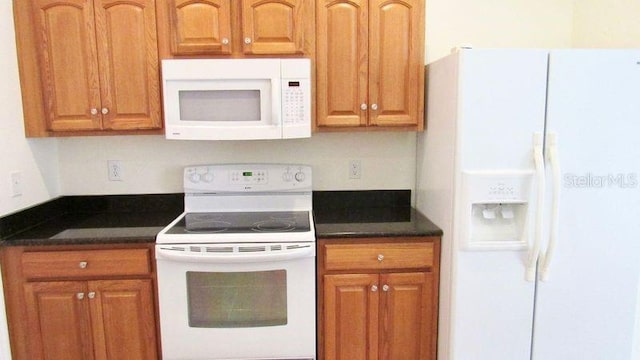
(237, 301)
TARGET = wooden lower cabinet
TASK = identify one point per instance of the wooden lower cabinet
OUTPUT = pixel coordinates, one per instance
(94, 316)
(383, 313)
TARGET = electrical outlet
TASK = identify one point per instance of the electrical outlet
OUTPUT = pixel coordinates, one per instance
(355, 169)
(115, 170)
(16, 183)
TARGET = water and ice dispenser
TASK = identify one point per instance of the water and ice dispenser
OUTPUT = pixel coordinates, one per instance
(495, 210)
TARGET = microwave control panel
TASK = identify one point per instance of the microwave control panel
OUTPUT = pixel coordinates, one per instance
(294, 101)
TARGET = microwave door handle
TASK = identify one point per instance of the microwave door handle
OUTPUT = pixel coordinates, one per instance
(184, 255)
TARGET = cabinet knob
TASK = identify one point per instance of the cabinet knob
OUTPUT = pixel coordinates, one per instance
(225, 41)
(83, 264)
(94, 111)
(363, 106)
(374, 288)
(385, 287)
(247, 40)
(92, 295)
(380, 257)
(105, 111)
(80, 296)
(374, 106)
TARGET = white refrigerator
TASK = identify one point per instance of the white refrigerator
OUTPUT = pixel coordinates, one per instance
(530, 163)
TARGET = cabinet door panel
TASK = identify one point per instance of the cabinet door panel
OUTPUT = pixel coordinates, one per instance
(350, 317)
(407, 325)
(59, 325)
(396, 73)
(128, 59)
(201, 26)
(122, 312)
(273, 26)
(67, 51)
(342, 42)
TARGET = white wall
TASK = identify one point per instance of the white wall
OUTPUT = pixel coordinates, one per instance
(36, 159)
(606, 23)
(153, 164)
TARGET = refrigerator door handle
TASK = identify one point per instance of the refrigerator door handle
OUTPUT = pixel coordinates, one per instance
(545, 259)
(534, 253)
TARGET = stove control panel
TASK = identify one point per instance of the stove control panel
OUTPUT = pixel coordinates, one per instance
(247, 178)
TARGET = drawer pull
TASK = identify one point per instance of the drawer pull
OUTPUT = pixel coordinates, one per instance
(92, 295)
(374, 288)
(80, 296)
(83, 264)
(385, 287)
(380, 257)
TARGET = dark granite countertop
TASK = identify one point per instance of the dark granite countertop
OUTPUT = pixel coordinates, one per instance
(114, 219)
(363, 214)
(91, 220)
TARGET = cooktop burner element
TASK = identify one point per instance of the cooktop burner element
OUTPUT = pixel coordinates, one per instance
(243, 222)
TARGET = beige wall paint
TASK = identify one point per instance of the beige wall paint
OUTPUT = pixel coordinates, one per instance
(606, 24)
(496, 23)
(37, 160)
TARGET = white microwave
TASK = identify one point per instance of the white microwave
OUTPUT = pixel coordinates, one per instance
(237, 99)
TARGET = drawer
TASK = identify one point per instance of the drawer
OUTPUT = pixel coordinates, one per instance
(378, 256)
(85, 263)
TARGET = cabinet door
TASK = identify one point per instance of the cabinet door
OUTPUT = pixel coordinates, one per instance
(58, 321)
(128, 60)
(273, 26)
(200, 27)
(408, 316)
(122, 312)
(396, 66)
(341, 61)
(68, 63)
(351, 317)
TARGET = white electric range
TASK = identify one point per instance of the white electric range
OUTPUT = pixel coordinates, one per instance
(236, 270)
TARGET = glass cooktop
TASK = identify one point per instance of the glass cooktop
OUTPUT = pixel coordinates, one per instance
(242, 222)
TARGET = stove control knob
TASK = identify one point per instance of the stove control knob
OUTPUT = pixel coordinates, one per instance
(287, 176)
(194, 178)
(208, 177)
(300, 176)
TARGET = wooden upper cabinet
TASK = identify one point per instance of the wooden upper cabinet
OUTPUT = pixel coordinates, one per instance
(341, 62)
(128, 60)
(200, 27)
(396, 66)
(370, 64)
(66, 46)
(273, 26)
(239, 28)
(93, 63)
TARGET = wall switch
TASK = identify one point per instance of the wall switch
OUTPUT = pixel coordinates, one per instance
(115, 170)
(16, 183)
(355, 169)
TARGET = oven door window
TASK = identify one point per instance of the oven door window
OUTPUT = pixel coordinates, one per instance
(237, 299)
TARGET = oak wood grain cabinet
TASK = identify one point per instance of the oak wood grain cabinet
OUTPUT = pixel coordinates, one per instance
(89, 303)
(370, 64)
(87, 66)
(246, 27)
(378, 298)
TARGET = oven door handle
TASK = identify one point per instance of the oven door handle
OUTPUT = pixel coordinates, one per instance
(184, 254)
